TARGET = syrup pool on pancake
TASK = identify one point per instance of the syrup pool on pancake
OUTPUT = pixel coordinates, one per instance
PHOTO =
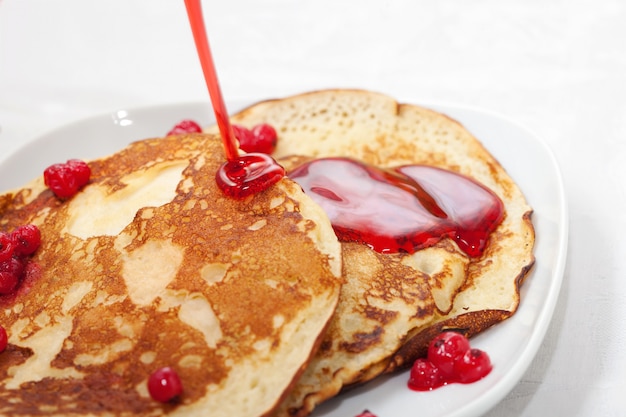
(402, 209)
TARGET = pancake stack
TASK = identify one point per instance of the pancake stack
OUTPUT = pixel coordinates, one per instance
(255, 303)
(378, 327)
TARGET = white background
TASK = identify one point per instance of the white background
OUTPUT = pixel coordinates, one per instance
(558, 67)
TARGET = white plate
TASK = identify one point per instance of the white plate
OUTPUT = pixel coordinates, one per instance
(512, 345)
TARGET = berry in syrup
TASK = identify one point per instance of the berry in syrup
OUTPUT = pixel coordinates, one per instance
(164, 385)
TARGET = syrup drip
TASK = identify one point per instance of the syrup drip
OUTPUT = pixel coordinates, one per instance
(243, 175)
(402, 209)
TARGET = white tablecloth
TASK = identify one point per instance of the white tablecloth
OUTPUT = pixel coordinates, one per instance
(557, 67)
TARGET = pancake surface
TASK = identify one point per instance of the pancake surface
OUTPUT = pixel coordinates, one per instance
(450, 289)
(151, 266)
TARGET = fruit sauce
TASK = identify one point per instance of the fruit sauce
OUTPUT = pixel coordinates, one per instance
(403, 209)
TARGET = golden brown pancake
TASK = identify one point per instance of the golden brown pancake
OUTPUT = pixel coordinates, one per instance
(377, 328)
(150, 265)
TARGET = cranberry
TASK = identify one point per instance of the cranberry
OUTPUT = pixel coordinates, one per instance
(7, 247)
(185, 126)
(261, 138)
(81, 170)
(26, 239)
(245, 137)
(425, 376)
(450, 359)
(164, 385)
(445, 349)
(8, 282)
(266, 138)
(11, 271)
(472, 366)
(366, 413)
(4, 339)
(66, 179)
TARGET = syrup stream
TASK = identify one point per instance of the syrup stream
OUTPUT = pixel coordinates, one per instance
(194, 12)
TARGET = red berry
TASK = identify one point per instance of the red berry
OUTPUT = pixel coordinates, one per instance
(445, 349)
(245, 138)
(11, 271)
(425, 376)
(8, 283)
(261, 138)
(66, 179)
(164, 385)
(81, 170)
(185, 126)
(4, 339)
(26, 239)
(472, 366)
(265, 138)
(7, 247)
(366, 413)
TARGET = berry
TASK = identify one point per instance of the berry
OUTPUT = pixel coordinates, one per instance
(261, 138)
(4, 339)
(266, 138)
(11, 271)
(26, 239)
(366, 413)
(66, 179)
(164, 385)
(445, 349)
(450, 359)
(425, 376)
(472, 366)
(8, 282)
(80, 169)
(185, 126)
(7, 247)
(245, 138)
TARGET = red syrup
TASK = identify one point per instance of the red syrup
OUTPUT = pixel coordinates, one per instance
(241, 175)
(403, 209)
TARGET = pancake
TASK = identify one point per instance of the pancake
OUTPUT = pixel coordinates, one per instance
(450, 290)
(150, 265)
